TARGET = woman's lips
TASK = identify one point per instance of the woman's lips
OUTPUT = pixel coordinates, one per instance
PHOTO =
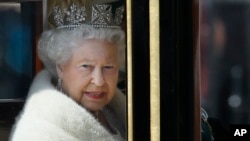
(95, 95)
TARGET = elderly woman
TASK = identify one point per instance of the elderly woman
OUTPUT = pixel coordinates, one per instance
(75, 98)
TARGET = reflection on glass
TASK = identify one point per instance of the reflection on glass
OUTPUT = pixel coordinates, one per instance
(15, 55)
(225, 64)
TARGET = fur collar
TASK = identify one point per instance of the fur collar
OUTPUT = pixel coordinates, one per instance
(49, 115)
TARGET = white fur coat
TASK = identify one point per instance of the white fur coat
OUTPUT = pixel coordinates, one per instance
(49, 115)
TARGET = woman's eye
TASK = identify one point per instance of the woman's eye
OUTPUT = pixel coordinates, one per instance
(86, 69)
(86, 66)
(109, 67)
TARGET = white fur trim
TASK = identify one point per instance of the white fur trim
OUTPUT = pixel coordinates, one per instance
(49, 115)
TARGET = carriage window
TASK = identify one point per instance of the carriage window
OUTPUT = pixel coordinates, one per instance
(225, 58)
(15, 58)
(17, 42)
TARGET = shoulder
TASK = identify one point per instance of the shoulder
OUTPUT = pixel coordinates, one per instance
(206, 129)
(48, 116)
(45, 114)
(212, 128)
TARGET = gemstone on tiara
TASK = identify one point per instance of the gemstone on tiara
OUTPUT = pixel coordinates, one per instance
(58, 18)
(101, 14)
(119, 15)
(75, 15)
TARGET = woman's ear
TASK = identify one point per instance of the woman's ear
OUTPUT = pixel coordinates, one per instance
(59, 70)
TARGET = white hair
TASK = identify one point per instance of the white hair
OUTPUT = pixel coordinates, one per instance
(55, 46)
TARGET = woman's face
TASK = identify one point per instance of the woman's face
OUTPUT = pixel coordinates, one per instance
(91, 75)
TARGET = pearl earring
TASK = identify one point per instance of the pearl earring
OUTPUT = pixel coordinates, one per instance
(59, 85)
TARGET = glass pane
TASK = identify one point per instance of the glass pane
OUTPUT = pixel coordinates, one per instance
(15, 54)
(225, 61)
(19, 29)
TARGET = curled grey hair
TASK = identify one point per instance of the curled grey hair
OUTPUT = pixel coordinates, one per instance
(55, 46)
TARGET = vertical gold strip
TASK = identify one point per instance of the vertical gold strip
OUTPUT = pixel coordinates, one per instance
(129, 70)
(154, 70)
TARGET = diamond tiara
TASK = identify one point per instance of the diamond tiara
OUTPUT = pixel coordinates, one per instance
(74, 13)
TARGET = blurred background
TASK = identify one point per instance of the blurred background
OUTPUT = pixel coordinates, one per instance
(15, 51)
(225, 57)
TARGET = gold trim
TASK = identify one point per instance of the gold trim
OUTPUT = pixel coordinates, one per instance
(129, 70)
(154, 70)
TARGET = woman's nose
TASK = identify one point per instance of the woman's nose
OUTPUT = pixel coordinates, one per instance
(97, 77)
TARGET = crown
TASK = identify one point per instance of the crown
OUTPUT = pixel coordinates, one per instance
(74, 13)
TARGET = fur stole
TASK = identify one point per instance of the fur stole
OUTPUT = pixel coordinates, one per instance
(49, 115)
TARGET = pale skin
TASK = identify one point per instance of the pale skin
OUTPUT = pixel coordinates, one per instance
(90, 76)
